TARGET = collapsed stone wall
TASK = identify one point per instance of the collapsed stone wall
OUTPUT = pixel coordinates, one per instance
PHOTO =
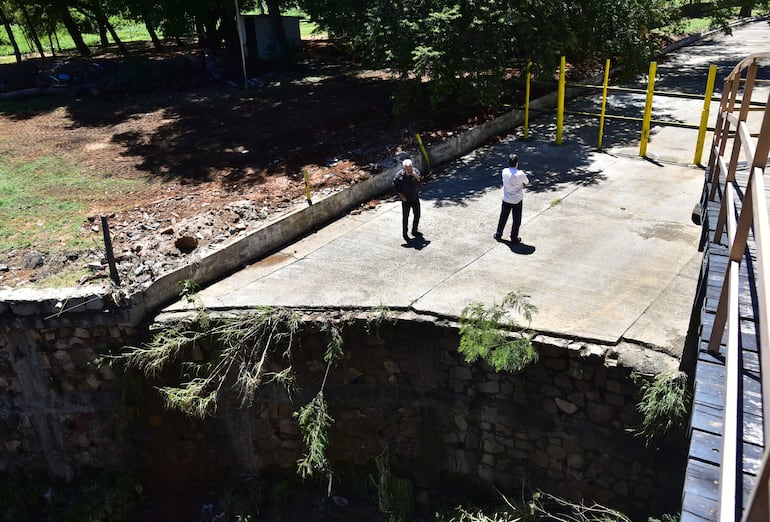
(562, 425)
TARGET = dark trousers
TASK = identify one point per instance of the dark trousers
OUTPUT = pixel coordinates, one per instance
(515, 210)
(414, 205)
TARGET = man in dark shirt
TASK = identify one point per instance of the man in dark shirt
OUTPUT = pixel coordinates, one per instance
(406, 182)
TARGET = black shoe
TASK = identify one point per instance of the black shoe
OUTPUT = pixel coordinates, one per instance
(516, 241)
(498, 237)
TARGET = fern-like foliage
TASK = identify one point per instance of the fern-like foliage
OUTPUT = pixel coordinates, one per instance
(664, 404)
(314, 423)
(245, 347)
(485, 333)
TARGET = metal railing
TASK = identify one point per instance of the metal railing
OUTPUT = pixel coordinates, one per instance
(732, 128)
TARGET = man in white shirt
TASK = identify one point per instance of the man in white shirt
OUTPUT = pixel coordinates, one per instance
(514, 181)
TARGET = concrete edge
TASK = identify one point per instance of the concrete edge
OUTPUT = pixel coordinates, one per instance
(625, 354)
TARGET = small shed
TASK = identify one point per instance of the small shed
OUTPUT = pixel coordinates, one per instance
(257, 35)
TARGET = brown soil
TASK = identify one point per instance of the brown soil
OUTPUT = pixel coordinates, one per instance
(216, 159)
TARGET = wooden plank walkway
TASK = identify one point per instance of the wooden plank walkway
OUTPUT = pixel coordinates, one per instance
(701, 488)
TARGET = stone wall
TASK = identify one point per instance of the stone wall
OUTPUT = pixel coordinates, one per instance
(562, 425)
(60, 408)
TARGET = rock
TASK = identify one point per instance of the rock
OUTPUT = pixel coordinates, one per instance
(32, 260)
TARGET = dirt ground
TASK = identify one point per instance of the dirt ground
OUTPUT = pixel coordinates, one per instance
(215, 159)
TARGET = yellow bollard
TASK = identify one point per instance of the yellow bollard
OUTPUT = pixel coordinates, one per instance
(307, 187)
(526, 99)
(560, 106)
(424, 152)
(648, 109)
(704, 117)
(604, 102)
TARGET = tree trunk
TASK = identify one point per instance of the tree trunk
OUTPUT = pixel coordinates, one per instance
(104, 25)
(7, 24)
(200, 30)
(103, 40)
(279, 34)
(72, 28)
(50, 44)
(32, 32)
(115, 37)
(746, 7)
(228, 28)
(151, 30)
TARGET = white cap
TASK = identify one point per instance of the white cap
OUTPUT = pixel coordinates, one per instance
(406, 163)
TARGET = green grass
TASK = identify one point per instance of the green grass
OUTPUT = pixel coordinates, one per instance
(44, 202)
(127, 32)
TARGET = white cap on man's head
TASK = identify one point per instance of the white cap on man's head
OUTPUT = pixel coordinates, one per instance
(406, 163)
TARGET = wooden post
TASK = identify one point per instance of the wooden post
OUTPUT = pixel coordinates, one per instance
(108, 249)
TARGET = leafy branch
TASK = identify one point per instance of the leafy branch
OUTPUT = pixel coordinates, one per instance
(664, 404)
(313, 418)
(486, 333)
(246, 346)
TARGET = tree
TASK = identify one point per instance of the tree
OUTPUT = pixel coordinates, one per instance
(31, 31)
(95, 10)
(7, 24)
(463, 50)
(62, 11)
(723, 11)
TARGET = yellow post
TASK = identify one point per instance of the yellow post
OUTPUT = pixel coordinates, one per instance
(307, 187)
(526, 99)
(648, 109)
(424, 152)
(604, 102)
(560, 105)
(704, 116)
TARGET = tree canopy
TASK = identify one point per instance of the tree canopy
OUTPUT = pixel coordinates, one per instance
(440, 50)
(464, 49)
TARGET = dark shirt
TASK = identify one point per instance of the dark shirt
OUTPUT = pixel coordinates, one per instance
(407, 185)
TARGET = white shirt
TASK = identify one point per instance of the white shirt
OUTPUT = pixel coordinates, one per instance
(513, 185)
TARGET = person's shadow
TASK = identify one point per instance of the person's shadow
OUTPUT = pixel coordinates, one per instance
(417, 242)
(519, 248)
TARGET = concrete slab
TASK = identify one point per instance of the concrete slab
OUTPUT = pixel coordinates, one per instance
(609, 250)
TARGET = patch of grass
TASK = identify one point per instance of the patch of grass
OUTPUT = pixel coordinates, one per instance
(555, 202)
(67, 277)
(44, 202)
